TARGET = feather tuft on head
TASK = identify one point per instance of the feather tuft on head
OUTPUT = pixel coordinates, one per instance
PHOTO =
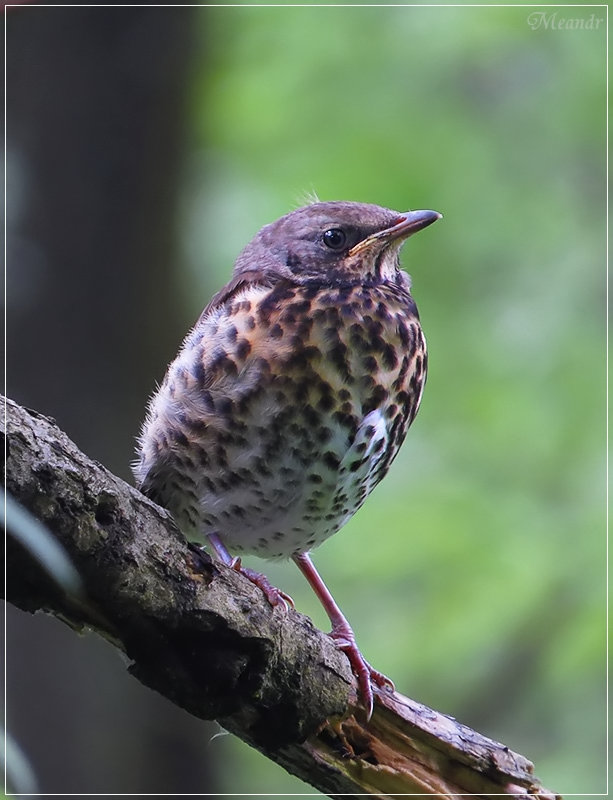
(307, 198)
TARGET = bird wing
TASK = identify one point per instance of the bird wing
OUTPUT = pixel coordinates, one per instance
(263, 278)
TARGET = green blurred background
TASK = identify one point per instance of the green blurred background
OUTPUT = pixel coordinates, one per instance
(475, 575)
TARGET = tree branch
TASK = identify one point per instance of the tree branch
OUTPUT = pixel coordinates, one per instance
(205, 637)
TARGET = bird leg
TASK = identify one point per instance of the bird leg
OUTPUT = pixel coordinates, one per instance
(343, 635)
(274, 596)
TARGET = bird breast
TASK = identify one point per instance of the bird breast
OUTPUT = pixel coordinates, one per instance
(282, 411)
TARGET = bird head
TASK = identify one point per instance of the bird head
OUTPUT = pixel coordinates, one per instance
(338, 242)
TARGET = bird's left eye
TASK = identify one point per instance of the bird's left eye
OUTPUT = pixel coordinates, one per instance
(335, 238)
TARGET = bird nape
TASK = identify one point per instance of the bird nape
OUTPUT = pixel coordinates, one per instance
(291, 396)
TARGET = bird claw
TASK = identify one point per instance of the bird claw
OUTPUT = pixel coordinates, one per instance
(366, 675)
(275, 596)
(381, 680)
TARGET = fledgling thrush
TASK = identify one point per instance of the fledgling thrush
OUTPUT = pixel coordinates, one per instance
(291, 395)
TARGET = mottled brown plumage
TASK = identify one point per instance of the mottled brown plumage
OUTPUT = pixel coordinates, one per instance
(291, 395)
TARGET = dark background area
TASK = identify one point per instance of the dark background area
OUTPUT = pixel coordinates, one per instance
(145, 146)
(96, 122)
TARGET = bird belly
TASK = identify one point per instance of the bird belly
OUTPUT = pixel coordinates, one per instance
(292, 501)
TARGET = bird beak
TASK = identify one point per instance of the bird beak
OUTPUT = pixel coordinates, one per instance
(406, 225)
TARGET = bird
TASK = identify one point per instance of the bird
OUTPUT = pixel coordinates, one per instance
(291, 396)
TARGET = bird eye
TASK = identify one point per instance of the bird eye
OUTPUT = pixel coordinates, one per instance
(335, 238)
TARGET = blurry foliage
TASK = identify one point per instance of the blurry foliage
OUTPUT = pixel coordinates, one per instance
(475, 574)
(18, 774)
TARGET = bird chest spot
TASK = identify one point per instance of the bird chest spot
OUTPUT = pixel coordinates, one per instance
(276, 331)
(243, 348)
(326, 402)
(382, 312)
(389, 357)
(376, 400)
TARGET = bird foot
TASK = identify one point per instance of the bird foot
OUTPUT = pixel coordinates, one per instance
(275, 596)
(366, 675)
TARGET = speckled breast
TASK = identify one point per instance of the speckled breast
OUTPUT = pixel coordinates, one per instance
(282, 411)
